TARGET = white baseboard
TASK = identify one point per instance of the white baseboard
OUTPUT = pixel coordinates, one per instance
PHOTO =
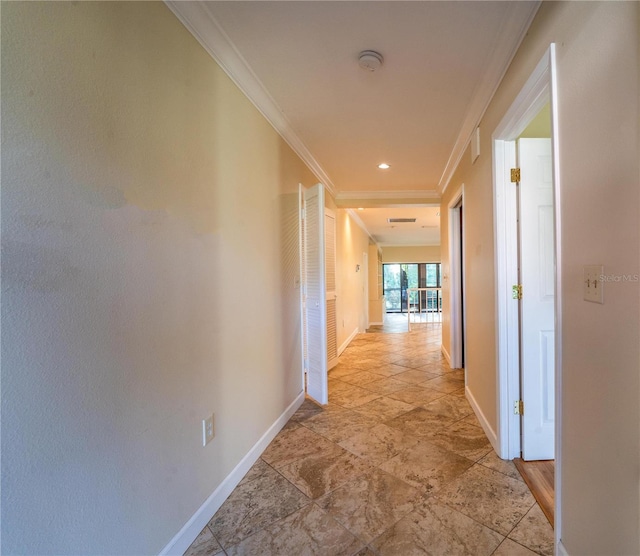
(375, 324)
(183, 539)
(446, 354)
(346, 343)
(561, 550)
(491, 434)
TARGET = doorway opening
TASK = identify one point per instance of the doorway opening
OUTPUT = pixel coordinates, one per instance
(456, 271)
(399, 279)
(528, 294)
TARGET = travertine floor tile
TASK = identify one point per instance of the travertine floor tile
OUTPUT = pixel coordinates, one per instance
(370, 504)
(309, 532)
(415, 376)
(379, 444)
(204, 545)
(445, 383)
(389, 369)
(427, 467)
(343, 369)
(338, 425)
(318, 474)
(291, 445)
(510, 548)
(508, 468)
(417, 395)
(306, 410)
(259, 469)
(433, 529)
(386, 468)
(254, 506)
(489, 497)
(385, 385)
(420, 422)
(383, 409)
(366, 551)
(352, 397)
(535, 532)
(361, 378)
(456, 407)
(463, 439)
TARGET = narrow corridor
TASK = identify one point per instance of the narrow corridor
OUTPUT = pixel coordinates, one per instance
(396, 464)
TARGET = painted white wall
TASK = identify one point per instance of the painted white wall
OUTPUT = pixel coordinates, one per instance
(411, 254)
(598, 99)
(150, 251)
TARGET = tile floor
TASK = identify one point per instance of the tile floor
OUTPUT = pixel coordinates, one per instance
(396, 464)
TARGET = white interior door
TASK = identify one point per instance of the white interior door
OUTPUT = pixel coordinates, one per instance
(330, 271)
(537, 276)
(316, 294)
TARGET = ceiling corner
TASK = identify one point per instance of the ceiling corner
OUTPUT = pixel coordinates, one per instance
(201, 23)
(508, 40)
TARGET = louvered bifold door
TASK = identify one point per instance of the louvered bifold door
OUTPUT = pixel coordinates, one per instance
(330, 272)
(303, 285)
(316, 325)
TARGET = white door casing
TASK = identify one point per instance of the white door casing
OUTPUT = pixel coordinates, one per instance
(316, 306)
(456, 280)
(537, 272)
(364, 270)
(540, 88)
(330, 271)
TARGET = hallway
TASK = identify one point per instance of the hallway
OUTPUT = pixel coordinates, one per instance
(396, 464)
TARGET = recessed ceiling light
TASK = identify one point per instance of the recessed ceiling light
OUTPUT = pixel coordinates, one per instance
(384, 166)
(360, 208)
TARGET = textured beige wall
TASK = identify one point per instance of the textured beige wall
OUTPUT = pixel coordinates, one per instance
(540, 126)
(150, 255)
(597, 52)
(351, 244)
(411, 254)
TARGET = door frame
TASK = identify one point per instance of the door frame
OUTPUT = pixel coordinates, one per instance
(364, 268)
(540, 88)
(456, 276)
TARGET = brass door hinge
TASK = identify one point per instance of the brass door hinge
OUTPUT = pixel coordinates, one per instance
(518, 407)
(515, 175)
(516, 291)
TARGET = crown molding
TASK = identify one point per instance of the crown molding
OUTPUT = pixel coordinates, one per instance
(508, 39)
(354, 216)
(199, 21)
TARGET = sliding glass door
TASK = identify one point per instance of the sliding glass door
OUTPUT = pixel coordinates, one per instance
(399, 277)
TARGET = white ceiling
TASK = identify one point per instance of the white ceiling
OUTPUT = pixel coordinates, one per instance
(424, 231)
(298, 62)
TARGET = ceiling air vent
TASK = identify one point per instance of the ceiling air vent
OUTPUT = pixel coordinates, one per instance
(400, 220)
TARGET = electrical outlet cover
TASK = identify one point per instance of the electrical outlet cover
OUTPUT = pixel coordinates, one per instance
(207, 430)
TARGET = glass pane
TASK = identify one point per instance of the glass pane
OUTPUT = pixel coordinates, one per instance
(391, 277)
(392, 283)
(392, 300)
(432, 275)
(412, 275)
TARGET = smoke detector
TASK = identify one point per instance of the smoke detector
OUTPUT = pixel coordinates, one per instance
(370, 60)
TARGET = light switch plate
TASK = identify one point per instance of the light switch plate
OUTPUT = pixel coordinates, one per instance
(593, 286)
